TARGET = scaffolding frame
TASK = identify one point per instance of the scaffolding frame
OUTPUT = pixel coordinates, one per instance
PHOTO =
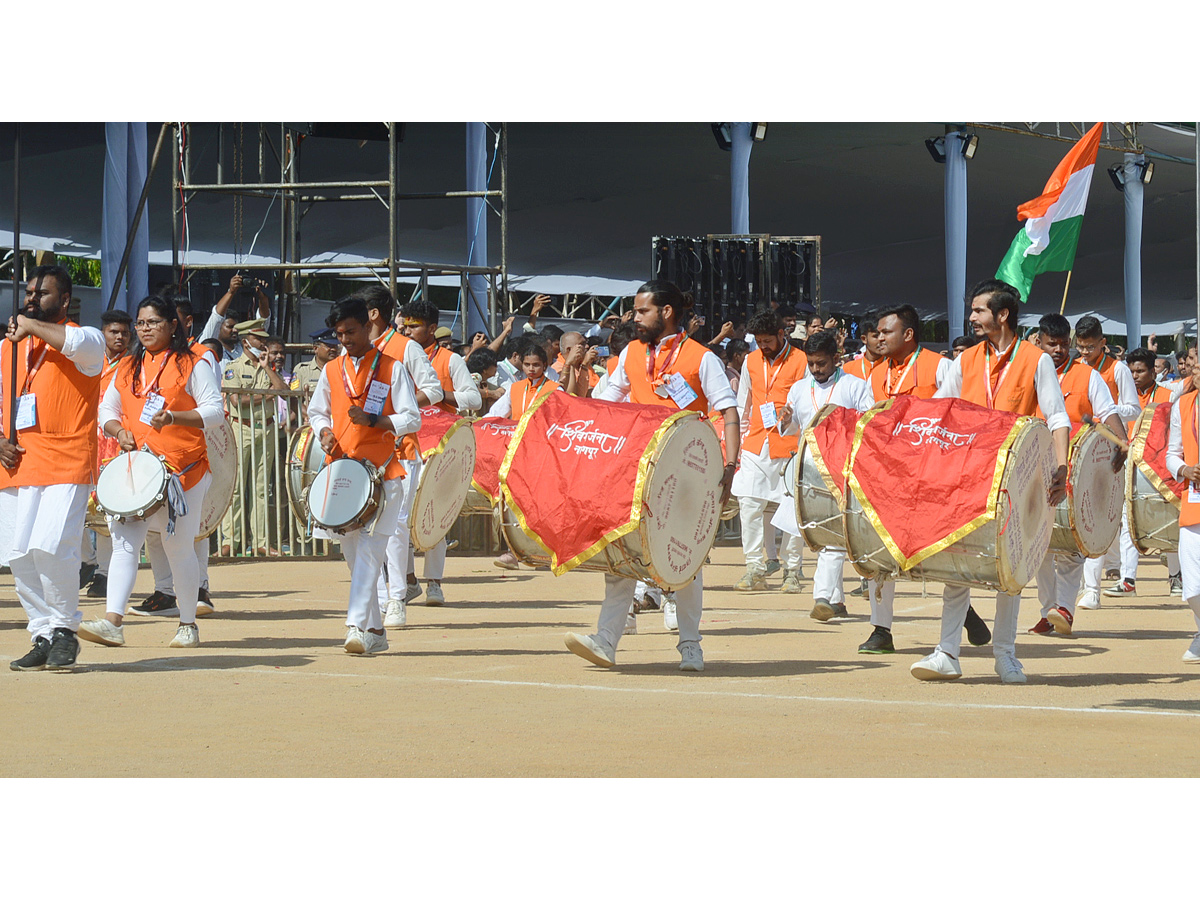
(297, 198)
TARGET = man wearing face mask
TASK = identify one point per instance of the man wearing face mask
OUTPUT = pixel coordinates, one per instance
(254, 427)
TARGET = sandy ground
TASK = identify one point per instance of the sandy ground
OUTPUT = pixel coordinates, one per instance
(483, 686)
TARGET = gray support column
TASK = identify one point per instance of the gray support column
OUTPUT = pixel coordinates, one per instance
(956, 233)
(477, 227)
(739, 178)
(124, 176)
(1133, 248)
(138, 278)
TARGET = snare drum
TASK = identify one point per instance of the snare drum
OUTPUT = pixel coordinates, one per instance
(442, 486)
(1089, 518)
(1152, 497)
(304, 460)
(345, 495)
(132, 486)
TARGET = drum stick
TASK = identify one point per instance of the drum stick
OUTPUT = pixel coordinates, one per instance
(11, 394)
(1105, 432)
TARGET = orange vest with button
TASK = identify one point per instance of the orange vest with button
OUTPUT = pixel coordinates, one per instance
(686, 363)
(863, 368)
(167, 375)
(1017, 393)
(61, 446)
(362, 441)
(890, 380)
(439, 358)
(522, 394)
(393, 344)
(1074, 380)
(782, 374)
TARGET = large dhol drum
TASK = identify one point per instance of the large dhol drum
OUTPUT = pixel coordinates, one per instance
(305, 459)
(676, 492)
(132, 486)
(345, 495)
(1152, 496)
(107, 449)
(1004, 552)
(1089, 518)
(817, 484)
(223, 465)
(445, 478)
(492, 436)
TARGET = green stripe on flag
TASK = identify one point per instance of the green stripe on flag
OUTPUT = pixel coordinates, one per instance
(1019, 270)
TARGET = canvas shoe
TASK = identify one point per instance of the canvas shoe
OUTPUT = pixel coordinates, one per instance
(1121, 588)
(751, 581)
(1043, 626)
(1061, 619)
(1192, 654)
(773, 566)
(397, 614)
(157, 604)
(822, 610)
(1009, 668)
(102, 631)
(64, 650)
(589, 647)
(354, 642)
(880, 641)
(791, 584)
(186, 637)
(35, 659)
(433, 594)
(670, 618)
(506, 561)
(937, 666)
(1088, 599)
(691, 657)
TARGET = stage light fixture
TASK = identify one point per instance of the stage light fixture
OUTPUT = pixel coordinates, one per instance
(1117, 173)
(724, 135)
(758, 131)
(937, 148)
(1147, 171)
(969, 144)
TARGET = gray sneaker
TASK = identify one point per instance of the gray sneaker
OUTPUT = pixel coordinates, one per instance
(590, 648)
(691, 657)
(433, 594)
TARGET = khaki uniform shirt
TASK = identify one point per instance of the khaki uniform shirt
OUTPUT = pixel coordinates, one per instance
(305, 376)
(243, 373)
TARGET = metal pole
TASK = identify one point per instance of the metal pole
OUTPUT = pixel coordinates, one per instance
(956, 232)
(1197, 170)
(11, 396)
(284, 168)
(137, 216)
(504, 220)
(175, 210)
(392, 225)
(220, 153)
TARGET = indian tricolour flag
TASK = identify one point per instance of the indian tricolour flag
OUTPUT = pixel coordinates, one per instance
(1052, 221)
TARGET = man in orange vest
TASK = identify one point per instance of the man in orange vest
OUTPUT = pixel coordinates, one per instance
(351, 417)
(767, 375)
(48, 466)
(1183, 461)
(1086, 396)
(459, 392)
(864, 365)
(1000, 372)
(663, 368)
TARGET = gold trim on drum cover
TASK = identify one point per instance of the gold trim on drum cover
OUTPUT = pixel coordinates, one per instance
(441, 445)
(1137, 447)
(868, 509)
(818, 460)
(635, 513)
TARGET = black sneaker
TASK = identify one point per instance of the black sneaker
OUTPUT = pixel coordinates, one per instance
(157, 604)
(99, 586)
(861, 589)
(64, 649)
(35, 659)
(86, 571)
(977, 631)
(204, 604)
(839, 610)
(880, 641)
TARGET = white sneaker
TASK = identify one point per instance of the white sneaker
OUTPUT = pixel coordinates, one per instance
(397, 614)
(691, 657)
(1088, 600)
(186, 636)
(1009, 668)
(630, 624)
(412, 592)
(374, 643)
(102, 631)
(670, 619)
(433, 594)
(587, 646)
(354, 640)
(937, 666)
(1192, 654)
(506, 560)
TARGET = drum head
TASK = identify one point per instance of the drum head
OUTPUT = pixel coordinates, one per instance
(1096, 493)
(131, 483)
(681, 501)
(304, 460)
(339, 493)
(223, 468)
(442, 486)
(1023, 516)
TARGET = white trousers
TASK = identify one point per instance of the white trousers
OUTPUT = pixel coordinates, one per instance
(1093, 569)
(39, 541)
(956, 600)
(180, 550)
(435, 561)
(1189, 567)
(365, 553)
(157, 556)
(1129, 554)
(394, 585)
(1058, 580)
(883, 601)
(96, 550)
(1172, 563)
(619, 593)
(827, 580)
(753, 514)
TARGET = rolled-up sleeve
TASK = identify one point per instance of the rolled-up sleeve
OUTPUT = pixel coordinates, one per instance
(320, 415)
(110, 405)
(85, 348)
(202, 385)
(406, 417)
(1050, 395)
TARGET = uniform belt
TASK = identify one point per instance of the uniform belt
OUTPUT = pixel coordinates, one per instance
(270, 421)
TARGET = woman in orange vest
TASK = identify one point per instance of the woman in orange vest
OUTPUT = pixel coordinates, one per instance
(1183, 461)
(520, 395)
(160, 400)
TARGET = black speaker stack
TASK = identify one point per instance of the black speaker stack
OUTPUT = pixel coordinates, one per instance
(734, 275)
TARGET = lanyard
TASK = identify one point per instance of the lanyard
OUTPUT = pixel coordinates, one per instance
(1066, 369)
(110, 365)
(384, 338)
(153, 389)
(529, 384)
(1007, 357)
(770, 382)
(891, 391)
(652, 358)
(31, 367)
(812, 391)
(370, 377)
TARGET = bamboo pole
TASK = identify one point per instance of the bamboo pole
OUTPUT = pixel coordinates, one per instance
(1066, 287)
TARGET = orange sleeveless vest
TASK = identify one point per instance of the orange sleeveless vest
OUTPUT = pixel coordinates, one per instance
(439, 358)
(1189, 513)
(919, 381)
(362, 441)
(199, 351)
(862, 368)
(1017, 393)
(686, 363)
(61, 446)
(393, 344)
(1074, 380)
(522, 397)
(1108, 372)
(166, 374)
(782, 375)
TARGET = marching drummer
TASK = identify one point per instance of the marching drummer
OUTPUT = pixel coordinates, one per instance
(1183, 461)
(1000, 372)
(363, 401)
(663, 368)
(161, 400)
(1085, 395)
(824, 383)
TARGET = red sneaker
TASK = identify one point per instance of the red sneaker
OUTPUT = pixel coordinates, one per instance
(1061, 619)
(1042, 627)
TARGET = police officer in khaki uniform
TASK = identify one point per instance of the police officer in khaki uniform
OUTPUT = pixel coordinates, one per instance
(325, 349)
(254, 427)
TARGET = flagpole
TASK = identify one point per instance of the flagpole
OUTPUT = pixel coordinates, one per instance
(10, 396)
(1062, 309)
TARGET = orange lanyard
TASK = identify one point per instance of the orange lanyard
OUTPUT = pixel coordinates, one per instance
(1006, 358)
(370, 377)
(812, 390)
(153, 389)
(31, 367)
(770, 382)
(655, 375)
(529, 384)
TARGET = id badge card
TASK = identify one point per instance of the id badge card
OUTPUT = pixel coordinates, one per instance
(154, 402)
(680, 391)
(1193, 491)
(767, 411)
(26, 411)
(376, 394)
